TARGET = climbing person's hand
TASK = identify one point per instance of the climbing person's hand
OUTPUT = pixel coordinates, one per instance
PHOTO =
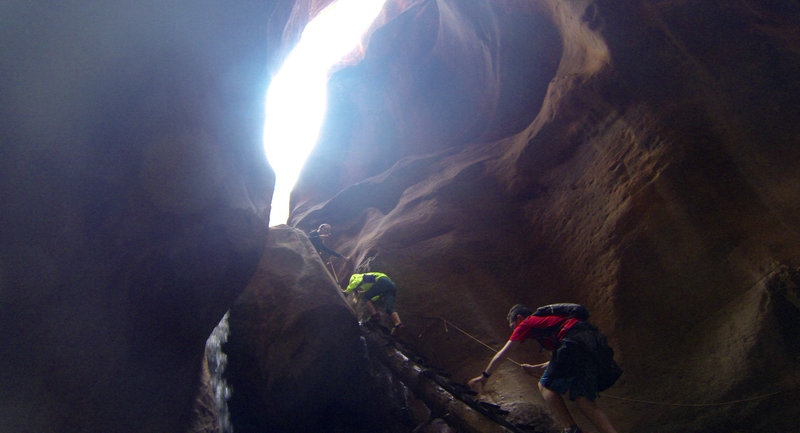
(535, 369)
(477, 382)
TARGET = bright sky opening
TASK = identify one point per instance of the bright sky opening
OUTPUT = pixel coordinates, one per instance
(296, 98)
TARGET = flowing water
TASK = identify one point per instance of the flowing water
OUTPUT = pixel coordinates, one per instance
(217, 361)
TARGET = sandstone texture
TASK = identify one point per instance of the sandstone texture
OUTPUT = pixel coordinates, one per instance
(637, 157)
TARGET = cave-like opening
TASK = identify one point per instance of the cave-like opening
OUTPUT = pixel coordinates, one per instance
(296, 100)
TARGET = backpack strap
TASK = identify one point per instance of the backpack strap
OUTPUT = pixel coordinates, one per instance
(549, 332)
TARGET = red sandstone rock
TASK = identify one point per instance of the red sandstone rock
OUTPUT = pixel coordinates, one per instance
(296, 359)
(653, 182)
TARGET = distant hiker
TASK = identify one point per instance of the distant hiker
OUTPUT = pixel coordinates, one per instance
(317, 240)
(372, 286)
(582, 362)
(316, 237)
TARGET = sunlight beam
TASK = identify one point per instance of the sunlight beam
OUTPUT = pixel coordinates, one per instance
(296, 98)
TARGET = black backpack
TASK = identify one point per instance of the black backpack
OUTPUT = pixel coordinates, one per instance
(564, 310)
(590, 338)
(609, 369)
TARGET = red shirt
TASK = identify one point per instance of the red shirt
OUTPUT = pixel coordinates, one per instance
(547, 330)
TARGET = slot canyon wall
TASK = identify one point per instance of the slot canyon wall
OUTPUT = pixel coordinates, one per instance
(134, 201)
(638, 157)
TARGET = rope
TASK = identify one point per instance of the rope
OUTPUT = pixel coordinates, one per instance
(470, 336)
(650, 402)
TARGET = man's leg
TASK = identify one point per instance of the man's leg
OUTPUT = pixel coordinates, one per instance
(556, 403)
(595, 415)
(371, 308)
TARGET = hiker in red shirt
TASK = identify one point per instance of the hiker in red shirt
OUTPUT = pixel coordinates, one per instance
(582, 363)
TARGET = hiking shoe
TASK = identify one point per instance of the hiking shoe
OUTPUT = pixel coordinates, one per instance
(373, 322)
(397, 327)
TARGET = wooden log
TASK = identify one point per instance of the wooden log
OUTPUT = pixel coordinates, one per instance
(459, 414)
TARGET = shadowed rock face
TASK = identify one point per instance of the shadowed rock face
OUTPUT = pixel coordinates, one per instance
(636, 157)
(134, 200)
(296, 358)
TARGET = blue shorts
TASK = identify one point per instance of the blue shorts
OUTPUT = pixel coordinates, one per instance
(383, 287)
(572, 369)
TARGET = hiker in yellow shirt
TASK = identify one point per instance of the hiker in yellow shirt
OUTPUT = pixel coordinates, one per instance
(373, 286)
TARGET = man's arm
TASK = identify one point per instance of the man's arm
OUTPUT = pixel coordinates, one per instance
(535, 370)
(496, 359)
(328, 250)
(316, 240)
(353, 287)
